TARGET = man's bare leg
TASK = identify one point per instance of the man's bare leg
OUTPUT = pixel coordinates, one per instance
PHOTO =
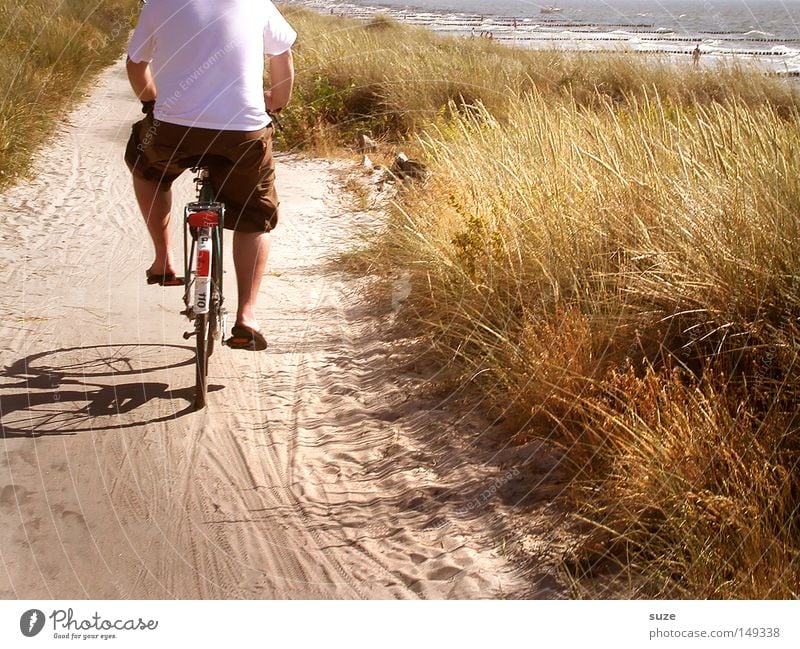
(250, 252)
(155, 204)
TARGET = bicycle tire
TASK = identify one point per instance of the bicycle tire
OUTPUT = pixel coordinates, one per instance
(204, 346)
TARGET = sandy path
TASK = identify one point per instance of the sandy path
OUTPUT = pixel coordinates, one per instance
(306, 477)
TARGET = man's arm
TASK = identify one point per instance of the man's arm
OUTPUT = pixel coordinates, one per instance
(141, 79)
(281, 76)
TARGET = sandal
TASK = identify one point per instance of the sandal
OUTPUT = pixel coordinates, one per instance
(163, 279)
(244, 337)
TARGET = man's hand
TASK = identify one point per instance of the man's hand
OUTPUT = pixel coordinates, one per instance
(281, 75)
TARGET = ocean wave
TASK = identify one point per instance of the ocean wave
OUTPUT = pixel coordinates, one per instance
(785, 51)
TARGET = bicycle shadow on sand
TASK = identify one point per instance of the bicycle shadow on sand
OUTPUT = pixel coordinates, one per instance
(81, 389)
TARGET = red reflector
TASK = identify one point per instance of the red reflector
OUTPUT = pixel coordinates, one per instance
(203, 263)
(203, 219)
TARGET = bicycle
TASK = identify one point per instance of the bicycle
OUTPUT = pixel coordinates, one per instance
(203, 222)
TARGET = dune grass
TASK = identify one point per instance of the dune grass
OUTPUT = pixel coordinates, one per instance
(608, 252)
(49, 52)
(626, 284)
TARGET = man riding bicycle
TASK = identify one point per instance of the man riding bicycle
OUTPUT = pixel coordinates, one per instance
(198, 68)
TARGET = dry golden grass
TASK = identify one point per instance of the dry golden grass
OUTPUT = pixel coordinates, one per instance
(49, 51)
(607, 250)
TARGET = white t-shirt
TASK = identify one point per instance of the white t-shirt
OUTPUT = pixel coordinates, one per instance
(207, 58)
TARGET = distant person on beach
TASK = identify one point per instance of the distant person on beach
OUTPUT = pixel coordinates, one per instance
(696, 55)
(198, 68)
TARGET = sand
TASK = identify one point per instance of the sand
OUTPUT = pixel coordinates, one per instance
(318, 470)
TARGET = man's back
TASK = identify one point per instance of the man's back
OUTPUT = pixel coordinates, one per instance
(207, 57)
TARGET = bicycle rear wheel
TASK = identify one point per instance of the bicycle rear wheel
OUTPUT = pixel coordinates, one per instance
(204, 339)
(206, 325)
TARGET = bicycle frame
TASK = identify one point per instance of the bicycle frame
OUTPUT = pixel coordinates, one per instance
(204, 220)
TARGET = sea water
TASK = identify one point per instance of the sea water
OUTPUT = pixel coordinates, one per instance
(765, 31)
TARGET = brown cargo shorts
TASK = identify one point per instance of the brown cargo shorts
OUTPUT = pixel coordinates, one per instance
(240, 166)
